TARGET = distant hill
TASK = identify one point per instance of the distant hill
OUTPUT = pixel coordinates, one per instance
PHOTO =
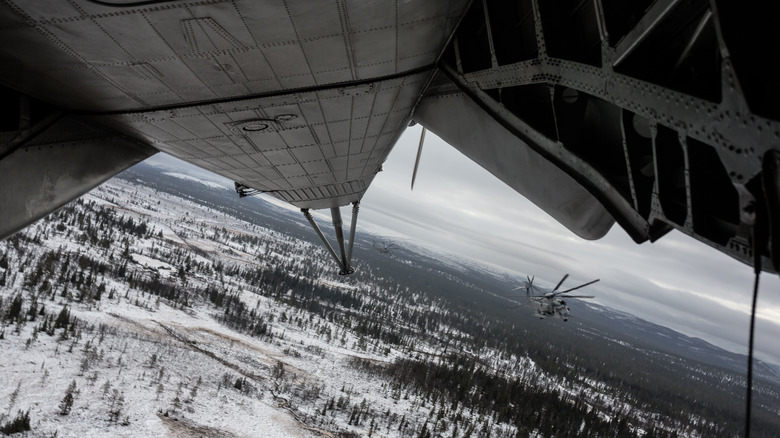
(461, 311)
(611, 323)
(648, 335)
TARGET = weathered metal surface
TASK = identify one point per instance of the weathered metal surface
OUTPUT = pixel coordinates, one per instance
(302, 100)
(660, 111)
(460, 122)
(658, 108)
(315, 149)
(91, 57)
(65, 161)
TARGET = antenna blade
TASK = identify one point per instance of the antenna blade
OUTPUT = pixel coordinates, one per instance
(419, 153)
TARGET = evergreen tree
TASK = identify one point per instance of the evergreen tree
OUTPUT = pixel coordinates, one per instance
(116, 404)
(15, 309)
(14, 395)
(63, 318)
(19, 424)
(67, 401)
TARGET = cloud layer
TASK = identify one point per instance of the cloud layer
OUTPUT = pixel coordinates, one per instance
(460, 208)
(677, 281)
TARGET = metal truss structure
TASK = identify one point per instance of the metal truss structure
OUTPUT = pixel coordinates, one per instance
(662, 110)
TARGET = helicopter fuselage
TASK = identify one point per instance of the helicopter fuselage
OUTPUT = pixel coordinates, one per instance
(551, 307)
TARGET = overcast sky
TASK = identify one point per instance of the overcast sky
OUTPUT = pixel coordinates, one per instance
(458, 207)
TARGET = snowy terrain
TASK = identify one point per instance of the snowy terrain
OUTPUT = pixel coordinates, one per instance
(180, 320)
(176, 369)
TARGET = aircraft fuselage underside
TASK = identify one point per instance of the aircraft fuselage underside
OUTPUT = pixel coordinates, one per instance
(654, 114)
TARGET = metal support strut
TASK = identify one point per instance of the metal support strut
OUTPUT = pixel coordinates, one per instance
(345, 260)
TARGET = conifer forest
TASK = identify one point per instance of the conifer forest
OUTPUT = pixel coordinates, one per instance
(162, 305)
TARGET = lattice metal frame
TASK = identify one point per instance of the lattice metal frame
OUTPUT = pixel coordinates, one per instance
(641, 103)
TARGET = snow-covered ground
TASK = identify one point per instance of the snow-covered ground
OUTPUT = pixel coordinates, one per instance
(126, 338)
(145, 366)
(197, 180)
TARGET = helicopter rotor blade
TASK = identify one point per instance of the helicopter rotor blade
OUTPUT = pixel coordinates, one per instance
(541, 292)
(576, 296)
(582, 285)
(560, 283)
(526, 285)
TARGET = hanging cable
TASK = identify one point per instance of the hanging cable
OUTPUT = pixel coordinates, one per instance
(765, 231)
(757, 244)
(748, 401)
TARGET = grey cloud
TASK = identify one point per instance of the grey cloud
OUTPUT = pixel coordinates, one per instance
(676, 282)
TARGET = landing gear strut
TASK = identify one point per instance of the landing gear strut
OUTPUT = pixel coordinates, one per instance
(346, 253)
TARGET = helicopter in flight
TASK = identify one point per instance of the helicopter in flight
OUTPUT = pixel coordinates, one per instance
(552, 303)
(384, 247)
